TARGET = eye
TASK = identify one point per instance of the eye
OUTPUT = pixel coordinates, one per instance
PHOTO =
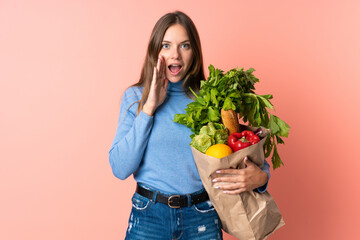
(165, 46)
(185, 45)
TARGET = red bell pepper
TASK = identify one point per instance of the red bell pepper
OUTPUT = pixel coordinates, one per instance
(238, 141)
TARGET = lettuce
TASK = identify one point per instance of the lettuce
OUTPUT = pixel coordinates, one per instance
(212, 133)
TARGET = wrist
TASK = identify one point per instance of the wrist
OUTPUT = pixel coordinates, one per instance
(148, 109)
(264, 177)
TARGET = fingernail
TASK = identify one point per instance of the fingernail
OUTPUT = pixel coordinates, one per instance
(217, 187)
(215, 180)
(218, 171)
(225, 192)
(246, 158)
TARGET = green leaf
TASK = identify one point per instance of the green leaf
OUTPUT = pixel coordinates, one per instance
(276, 161)
(207, 98)
(266, 102)
(221, 136)
(180, 118)
(204, 121)
(283, 127)
(267, 96)
(211, 70)
(273, 125)
(200, 100)
(268, 146)
(257, 119)
(213, 114)
(202, 142)
(214, 93)
(250, 70)
(234, 95)
(248, 100)
(198, 113)
(279, 140)
(192, 91)
(228, 104)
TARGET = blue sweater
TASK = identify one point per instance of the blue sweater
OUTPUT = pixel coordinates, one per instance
(156, 149)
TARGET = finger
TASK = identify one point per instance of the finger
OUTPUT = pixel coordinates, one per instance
(234, 192)
(162, 67)
(250, 165)
(232, 186)
(230, 171)
(158, 64)
(248, 162)
(154, 78)
(228, 179)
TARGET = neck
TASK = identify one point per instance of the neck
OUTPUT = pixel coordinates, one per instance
(176, 88)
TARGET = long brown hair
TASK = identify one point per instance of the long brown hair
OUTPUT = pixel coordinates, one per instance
(196, 70)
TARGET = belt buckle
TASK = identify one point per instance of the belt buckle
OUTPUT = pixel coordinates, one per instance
(170, 201)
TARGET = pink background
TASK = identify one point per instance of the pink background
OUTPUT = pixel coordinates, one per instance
(65, 64)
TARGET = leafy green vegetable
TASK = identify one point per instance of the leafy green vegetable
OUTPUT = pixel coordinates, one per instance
(221, 136)
(202, 142)
(234, 90)
(212, 133)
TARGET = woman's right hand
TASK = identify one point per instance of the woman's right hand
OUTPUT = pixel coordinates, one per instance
(158, 88)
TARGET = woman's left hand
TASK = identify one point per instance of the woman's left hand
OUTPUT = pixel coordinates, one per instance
(245, 179)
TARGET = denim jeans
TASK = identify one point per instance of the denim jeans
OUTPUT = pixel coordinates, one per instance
(151, 220)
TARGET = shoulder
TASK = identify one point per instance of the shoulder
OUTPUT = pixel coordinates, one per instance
(130, 99)
(132, 94)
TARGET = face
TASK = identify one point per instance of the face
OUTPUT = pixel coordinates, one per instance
(177, 52)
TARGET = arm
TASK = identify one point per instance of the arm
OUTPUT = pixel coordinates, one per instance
(131, 137)
(247, 179)
(133, 130)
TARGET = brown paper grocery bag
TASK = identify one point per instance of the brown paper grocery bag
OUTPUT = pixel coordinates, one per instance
(248, 215)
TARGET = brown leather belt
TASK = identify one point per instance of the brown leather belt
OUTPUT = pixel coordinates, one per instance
(173, 201)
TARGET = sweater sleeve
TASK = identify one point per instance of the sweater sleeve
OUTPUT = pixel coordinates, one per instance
(131, 137)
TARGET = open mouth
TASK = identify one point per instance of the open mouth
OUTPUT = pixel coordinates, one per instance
(175, 68)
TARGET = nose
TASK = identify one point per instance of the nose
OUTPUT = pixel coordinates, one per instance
(175, 53)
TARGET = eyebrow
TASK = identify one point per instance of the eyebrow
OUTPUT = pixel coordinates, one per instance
(165, 41)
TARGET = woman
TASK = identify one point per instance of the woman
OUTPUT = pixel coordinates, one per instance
(170, 201)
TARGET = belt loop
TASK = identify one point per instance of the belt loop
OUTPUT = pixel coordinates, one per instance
(188, 200)
(155, 193)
